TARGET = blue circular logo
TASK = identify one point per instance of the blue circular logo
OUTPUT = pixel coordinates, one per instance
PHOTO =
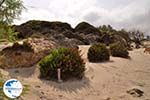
(12, 88)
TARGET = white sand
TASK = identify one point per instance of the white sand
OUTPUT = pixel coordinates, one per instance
(103, 81)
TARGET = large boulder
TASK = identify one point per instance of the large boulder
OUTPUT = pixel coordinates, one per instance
(25, 54)
(89, 33)
(118, 38)
(63, 41)
(34, 26)
(86, 28)
(92, 38)
(107, 38)
(75, 36)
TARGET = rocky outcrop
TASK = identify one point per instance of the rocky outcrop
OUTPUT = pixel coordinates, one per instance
(62, 33)
(106, 38)
(84, 33)
(27, 29)
(118, 38)
(86, 28)
(44, 36)
(25, 54)
(92, 38)
(89, 33)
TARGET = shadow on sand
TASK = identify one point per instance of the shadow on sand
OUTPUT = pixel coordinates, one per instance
(110, 61)
(21, 72)
(70, 85)
(73, 85)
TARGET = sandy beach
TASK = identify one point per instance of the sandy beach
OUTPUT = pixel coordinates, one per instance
(103, 81)
(39, 43)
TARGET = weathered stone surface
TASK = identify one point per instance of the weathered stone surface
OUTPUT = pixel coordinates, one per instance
(59, 31)
(27, 29)
(26, 54)
(84, 33)
(89, 33)
(92, 38)
(118, 38)
(86, 28)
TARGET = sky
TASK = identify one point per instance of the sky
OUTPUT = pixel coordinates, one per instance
(127, 14)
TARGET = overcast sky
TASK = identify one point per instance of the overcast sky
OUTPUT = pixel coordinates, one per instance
(126, 14)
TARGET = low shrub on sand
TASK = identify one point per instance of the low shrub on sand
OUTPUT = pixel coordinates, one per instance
(67, 59)
(98, 53)
(119, 50)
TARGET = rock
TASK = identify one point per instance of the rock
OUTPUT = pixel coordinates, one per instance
(92, 38)
(69, 43)
(86, 28)
(63, 41)
(34, 26)
(106, 38)
(26, 54)
(81, 37)
(74, 41)
(118, 38)
(24, 31)
(60, 31)
(55, 31)
(135, 92)
(75, 36)
(89, 33)
(60, 37)
(84, 33)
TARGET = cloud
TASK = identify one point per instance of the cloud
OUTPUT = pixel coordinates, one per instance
(134, 15)
(118, 13)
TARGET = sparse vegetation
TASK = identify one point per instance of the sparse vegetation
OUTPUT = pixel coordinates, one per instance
(9, 11)
(137, 37)
(119, 50)
(111, 35)
(7, 33)
(68, 60)
(98, 53)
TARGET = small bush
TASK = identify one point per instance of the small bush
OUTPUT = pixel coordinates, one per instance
(98, 53)
(119, 50)
(68, 60)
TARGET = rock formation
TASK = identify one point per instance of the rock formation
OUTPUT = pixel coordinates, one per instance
(84, 33)
(26, 54)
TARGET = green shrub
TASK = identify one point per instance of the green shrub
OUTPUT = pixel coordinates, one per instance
(119, 50)
(98, 53)
(7, 33)
(68, 60)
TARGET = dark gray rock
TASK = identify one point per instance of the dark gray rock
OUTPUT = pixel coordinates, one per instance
(135, 92)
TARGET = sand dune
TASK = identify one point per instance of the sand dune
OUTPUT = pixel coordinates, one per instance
(103, 81)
